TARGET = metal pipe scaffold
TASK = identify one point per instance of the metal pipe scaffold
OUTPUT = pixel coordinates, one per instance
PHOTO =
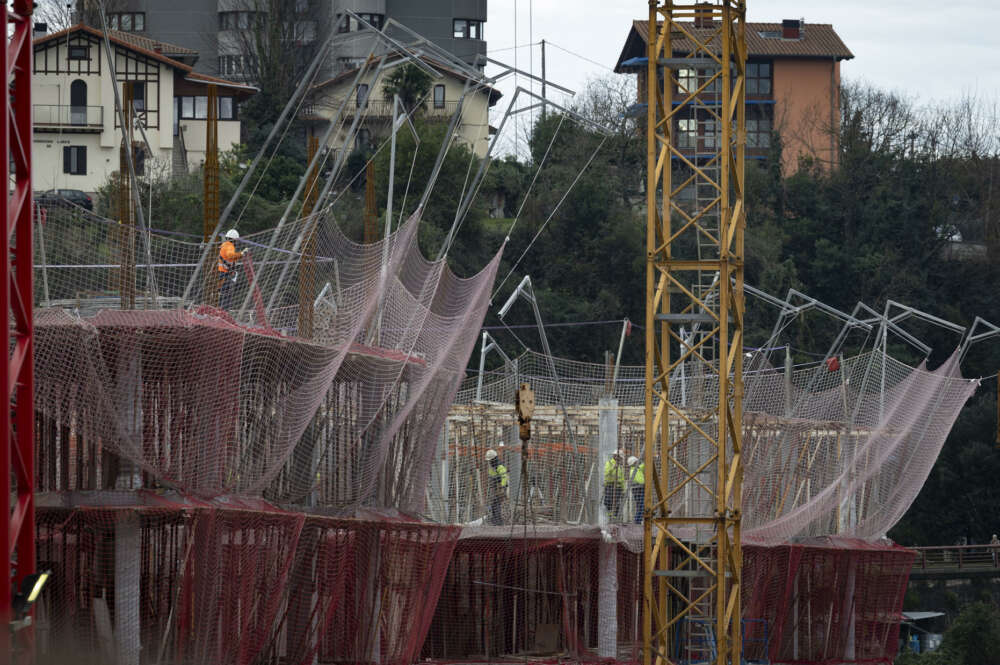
(691, 531)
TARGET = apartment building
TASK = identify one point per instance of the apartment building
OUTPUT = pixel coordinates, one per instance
(217, 29)
(792, 87)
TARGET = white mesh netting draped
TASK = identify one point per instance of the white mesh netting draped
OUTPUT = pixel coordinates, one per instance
(842, 451)
(208, 405)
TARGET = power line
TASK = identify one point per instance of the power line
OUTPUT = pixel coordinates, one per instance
(582, 57)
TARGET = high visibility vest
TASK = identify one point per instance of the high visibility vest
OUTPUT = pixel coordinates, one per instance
(228, 256)
(639, 474)
(499, 472)
(614, 474)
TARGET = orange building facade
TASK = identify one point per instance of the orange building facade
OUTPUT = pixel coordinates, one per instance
(793, 89)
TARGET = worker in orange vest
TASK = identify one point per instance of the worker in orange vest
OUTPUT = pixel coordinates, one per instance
(229, 259)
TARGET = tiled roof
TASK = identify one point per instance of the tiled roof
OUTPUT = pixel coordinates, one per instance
(819, 40)
(205, 78)
(149, 48)
(115, 37)
(151, 44)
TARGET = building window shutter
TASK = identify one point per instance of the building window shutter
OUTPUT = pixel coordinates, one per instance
(81, 160)
(66, 159)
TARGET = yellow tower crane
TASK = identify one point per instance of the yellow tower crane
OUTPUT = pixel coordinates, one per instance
(696, 136)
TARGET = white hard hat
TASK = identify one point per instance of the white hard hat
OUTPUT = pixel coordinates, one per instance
(619, 453)
(633, 460)
(233, 234)
(491, 454)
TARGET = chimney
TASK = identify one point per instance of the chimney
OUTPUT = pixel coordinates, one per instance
(791, 28)
(40, 30)
(703, 15)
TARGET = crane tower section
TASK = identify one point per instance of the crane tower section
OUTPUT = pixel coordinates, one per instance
(696, 136)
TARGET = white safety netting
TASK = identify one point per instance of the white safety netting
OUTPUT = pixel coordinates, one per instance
(841, 450)
(195, 399)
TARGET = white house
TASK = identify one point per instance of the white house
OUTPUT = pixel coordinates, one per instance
(442, 100)
(76, 128)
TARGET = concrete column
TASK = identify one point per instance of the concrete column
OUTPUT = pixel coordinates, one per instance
(128, 545)
(607, 600)
(607, 589)
(607, 444)
(849, 608)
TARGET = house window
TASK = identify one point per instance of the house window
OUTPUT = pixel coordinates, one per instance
(687, 133)
(362, 94)
(759, 126)
(75, 159)
(364, 138)
(237, 20)
(439, 96)
(240, 66)
(79, 53)
(139, 96)
(710, 133)
(687, 80)
(347, 23)
(758, 78)
(227, 110)
(200, 107)
(127, 21)
(463, 28)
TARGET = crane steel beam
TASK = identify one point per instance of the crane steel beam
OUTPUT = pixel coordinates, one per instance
(691, 532)
(17, 455)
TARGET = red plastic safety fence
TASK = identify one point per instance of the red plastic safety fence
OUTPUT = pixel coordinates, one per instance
(829, 601)
(218, 585)
(505, 598)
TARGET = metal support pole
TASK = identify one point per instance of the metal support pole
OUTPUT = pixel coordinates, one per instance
(127, 139)
(17, 417)
(278, 124)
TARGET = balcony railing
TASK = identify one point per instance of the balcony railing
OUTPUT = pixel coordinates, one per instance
(62, 115)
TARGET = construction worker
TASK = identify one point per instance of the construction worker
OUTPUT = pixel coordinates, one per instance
(498, 479)
(614, 485)
(229, 259)
(637, 480)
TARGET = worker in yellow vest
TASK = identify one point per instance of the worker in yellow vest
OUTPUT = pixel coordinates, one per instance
(614, 485)
(637, 481)
(498, 482)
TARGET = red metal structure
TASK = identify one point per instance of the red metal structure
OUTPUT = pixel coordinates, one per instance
(17, 419)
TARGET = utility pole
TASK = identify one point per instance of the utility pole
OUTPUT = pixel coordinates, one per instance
(543, 79)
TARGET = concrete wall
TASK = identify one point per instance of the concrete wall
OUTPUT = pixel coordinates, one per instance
(194, 138)
(806, 94)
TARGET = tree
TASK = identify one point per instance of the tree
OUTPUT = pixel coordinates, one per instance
(54, 14)
(274, 42)
(411, 83)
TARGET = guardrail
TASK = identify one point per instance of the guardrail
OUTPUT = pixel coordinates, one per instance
(961, 557)
(63, 115)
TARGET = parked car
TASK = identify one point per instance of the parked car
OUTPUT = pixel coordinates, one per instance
(56, 196)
